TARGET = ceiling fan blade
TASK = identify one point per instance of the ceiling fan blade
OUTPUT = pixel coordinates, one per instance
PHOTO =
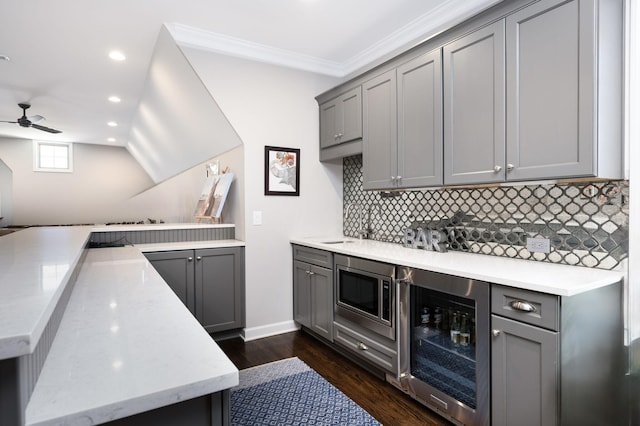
(46, 129)
(12, 122)
(36, 118)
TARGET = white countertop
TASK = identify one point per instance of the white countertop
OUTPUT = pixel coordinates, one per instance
(561, 280)
(126, 344)
(35, 265)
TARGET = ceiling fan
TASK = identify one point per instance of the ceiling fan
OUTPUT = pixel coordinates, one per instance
(25, 121)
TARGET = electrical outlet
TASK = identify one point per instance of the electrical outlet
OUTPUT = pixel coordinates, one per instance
(539, 245)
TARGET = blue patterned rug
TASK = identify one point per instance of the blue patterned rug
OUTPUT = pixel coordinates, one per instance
(289, 392)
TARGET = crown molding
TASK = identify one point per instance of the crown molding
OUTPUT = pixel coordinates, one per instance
(196, 38)
(426, 26)
(445, 15)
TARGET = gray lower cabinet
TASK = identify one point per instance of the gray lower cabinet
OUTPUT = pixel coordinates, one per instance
(557, 360)
(313, 290)
(210, 282)
(474, 107)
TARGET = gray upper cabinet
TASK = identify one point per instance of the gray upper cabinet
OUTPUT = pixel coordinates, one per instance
(474, 107)
(420, 121)
(379, 132)
(341, 119)
(551, 54)
(402, 125)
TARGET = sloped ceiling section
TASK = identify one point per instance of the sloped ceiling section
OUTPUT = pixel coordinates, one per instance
(178, 124)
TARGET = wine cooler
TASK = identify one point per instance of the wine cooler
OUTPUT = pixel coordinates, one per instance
(444, 344)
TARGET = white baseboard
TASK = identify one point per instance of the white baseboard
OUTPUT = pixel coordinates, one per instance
(254, 333)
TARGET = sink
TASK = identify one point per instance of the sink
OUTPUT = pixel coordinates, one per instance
(338, 242)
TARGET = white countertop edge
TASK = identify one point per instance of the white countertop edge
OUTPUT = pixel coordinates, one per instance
(158, 226)
(25, 343)
(189, 245)
(130, 407)
(545, 277)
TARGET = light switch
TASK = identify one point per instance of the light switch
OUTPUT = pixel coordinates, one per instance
(257, 217)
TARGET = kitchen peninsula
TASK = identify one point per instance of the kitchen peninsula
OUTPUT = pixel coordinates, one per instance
(93, 336)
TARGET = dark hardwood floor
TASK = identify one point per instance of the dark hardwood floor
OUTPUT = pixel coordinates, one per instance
(384, 402)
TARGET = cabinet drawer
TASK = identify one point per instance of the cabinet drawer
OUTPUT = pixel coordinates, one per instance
(531, 307)
(365, 347)
(314, 256)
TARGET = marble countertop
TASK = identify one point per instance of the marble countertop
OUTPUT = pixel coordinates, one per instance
(35, 266)
(560, 280)
(126, 344)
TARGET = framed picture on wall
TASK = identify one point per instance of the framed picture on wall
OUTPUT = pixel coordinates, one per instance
(281, 171)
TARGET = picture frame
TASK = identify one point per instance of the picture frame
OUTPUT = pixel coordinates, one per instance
(281, 171)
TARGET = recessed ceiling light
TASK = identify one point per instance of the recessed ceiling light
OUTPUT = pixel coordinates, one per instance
(114, 99)
(111, 139)
(112, 124)
(4, 58)
(117, 55)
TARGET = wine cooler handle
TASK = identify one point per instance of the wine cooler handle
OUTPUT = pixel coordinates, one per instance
(520, 305)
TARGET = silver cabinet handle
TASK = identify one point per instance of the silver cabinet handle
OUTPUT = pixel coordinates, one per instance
(198, 257)
(189, 259)
(497, 169)
(495, 332)
(510, 167)
(520, 305)
(362, 346)
(311, 273)
(399, 177)
(340, 135)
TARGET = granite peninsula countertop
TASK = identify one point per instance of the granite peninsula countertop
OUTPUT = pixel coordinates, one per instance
(560, 280)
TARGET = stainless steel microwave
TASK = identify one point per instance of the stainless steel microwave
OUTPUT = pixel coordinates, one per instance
(365, 294)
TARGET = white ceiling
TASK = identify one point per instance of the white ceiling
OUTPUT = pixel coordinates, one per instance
(58, 49)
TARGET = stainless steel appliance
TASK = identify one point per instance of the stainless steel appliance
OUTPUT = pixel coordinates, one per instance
(365, 294)
(444, 344)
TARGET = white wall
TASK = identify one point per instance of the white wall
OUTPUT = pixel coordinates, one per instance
(6, 194)
(107, 185)
(270, 105)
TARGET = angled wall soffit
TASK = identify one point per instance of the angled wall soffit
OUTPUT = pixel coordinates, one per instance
(446, 14)
(178, 123)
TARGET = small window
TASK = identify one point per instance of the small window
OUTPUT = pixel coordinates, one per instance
(52, 157)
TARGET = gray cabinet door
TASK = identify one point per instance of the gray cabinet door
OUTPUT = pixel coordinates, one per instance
(474, 107)
(219, 288)
(550, 92)
(321, 293)
(341, 119)
(301, 293)
(176, 268)
(420, 121)
(379, 132)
(524, 374)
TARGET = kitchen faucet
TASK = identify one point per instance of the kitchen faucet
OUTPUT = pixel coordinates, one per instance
(362, 233)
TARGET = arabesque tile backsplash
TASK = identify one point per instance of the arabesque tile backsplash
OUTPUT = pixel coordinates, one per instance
(587, 222)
